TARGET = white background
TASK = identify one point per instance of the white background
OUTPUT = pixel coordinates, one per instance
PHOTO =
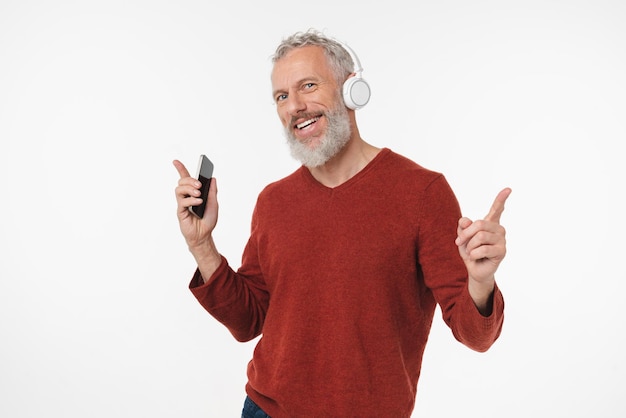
(97, 99)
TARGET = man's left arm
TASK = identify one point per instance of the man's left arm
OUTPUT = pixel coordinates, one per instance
(482, 246)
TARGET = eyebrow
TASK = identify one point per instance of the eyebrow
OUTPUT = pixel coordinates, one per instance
(277, 92)
(300, 82)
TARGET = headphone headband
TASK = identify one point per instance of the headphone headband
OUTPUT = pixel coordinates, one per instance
(356, 91)
(358, 68)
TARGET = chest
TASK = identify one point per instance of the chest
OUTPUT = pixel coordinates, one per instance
(343, 243)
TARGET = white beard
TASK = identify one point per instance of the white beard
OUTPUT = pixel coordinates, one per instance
(336, 137)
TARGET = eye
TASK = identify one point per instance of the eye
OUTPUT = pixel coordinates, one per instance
(280, 97)
(308, 86)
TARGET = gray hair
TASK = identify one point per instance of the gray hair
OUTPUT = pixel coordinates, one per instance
(338, 57)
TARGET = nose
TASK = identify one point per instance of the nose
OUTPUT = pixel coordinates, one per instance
(295, 104)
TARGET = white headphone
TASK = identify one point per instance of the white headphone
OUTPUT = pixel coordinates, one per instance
(356, 91)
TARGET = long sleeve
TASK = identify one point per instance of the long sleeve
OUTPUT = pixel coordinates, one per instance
(445, 273)
(239, 300)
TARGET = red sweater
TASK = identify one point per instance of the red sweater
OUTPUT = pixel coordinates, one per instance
(343, 283)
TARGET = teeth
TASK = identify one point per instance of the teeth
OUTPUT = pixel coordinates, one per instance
(307, 123)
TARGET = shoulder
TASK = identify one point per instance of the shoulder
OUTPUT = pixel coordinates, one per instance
(406, 172)
(282, 189)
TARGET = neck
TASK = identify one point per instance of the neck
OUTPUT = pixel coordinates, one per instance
(347, 163)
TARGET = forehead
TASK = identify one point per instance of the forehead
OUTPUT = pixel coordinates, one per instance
(300, 63)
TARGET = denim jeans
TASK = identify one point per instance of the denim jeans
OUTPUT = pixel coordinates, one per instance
(252, 410)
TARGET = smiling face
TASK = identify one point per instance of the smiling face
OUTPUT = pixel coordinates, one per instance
(310, 106)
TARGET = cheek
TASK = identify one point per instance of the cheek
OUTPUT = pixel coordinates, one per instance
(284, 118)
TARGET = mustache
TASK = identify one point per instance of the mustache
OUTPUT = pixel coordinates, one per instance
(305, 116)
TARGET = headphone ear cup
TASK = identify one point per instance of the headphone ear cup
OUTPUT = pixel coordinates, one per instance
(356, 92)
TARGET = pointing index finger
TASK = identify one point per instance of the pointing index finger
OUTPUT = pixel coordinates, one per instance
(498, 206)
(182, 170)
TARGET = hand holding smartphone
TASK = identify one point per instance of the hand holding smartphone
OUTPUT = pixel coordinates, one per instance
(205, 173)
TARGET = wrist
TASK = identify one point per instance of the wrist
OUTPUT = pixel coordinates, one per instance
(207, 258)
(481, 293)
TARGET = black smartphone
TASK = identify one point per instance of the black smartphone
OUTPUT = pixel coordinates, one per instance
(205, 173)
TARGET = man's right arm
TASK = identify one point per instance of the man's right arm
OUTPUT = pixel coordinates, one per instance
(240, 303)
(197, 232)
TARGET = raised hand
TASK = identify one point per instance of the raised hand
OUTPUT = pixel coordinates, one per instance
(482, 245)
(197, 232)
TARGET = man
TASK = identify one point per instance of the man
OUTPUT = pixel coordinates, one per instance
(347, 258)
